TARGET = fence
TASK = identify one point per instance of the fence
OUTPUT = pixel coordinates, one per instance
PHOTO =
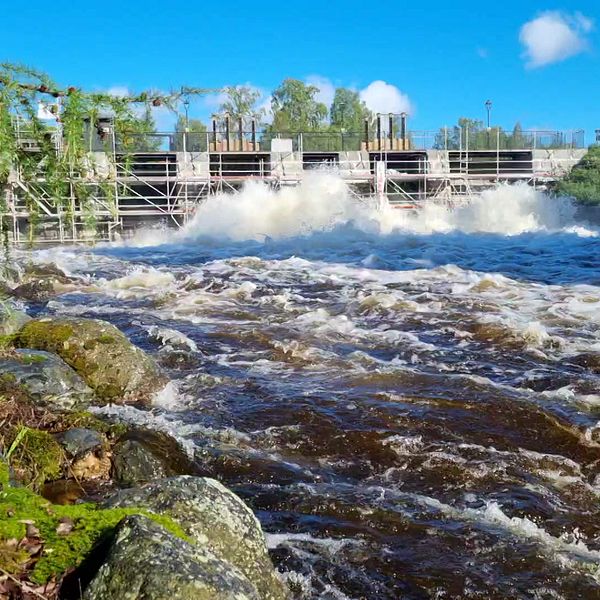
(462, 139)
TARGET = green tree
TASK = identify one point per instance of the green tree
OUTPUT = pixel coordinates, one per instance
(296, 109)
(583, 182)
(470, 134)
(348, 111)
(195, 138)
(138, 133)
(241, 103)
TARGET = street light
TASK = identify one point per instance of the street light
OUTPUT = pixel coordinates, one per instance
(488, 106)
(186, 107)
(342, 105)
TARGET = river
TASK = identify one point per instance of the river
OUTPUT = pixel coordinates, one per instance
(400, 397)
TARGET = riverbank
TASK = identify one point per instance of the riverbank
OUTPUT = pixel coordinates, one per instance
(90, 507)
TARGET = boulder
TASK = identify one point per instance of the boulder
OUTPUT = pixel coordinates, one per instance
(87, 452)
(38, 290)
(79, 441)
(146, 561)
(40, 282)
(588, 360)
(44, 378)
(109, 363)
(11, 320)
(216, 519)
(142, 455)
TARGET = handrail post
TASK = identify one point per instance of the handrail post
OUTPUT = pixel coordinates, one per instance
(366, 134)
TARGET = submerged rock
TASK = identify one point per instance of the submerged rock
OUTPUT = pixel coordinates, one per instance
(142, 455)
(216, 519)
(110, 364)
(146, 561)
(589, 360)
(44, 378)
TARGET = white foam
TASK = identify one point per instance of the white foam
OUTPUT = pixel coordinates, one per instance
(323, 202)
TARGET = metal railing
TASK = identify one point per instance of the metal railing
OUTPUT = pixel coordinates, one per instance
(461, 139)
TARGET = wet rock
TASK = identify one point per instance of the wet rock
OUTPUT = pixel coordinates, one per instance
(146, 561)
(216, 519)
(39, 290)
(589, 360)
(133, 464)
(86, 449)
(109, 363)
(11, 321)
(44, 378)
(46, 271)
(142, 455)
(79, 441)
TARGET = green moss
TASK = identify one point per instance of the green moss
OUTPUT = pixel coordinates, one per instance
(45, 335)
(36, 458)
(30, 359)
(106, 339)
(7, 341)
(87, 420)
(61, 552)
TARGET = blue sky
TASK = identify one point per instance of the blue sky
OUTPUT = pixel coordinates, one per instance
(445, 59)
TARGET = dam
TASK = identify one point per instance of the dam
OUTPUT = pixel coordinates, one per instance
(167, 175)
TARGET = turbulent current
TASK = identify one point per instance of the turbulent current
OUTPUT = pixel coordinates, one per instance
(410, 402)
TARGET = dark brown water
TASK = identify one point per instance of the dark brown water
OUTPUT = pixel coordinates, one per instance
(408, 413)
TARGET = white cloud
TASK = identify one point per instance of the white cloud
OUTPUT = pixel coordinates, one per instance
(120, 91)
(554, 36)
(382, 97)
(326, 89)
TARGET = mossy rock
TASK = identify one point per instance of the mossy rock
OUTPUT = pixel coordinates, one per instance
(44, 378)
(108, 362)
(215, 518)
(35, 456)
(142, 455)
(11, 321)
(146, 561)
(63, 548)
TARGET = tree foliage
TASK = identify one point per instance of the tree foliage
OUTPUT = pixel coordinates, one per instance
(295, 108)
(583, 182)
(348, 111)
(241, 102)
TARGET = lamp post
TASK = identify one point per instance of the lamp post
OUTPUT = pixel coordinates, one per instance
(342, 105)
(186, 107)
(488, 106)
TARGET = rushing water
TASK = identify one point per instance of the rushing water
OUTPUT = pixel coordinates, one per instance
(396, 395)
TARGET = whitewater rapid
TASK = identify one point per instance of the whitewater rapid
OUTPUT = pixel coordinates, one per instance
(406, 399)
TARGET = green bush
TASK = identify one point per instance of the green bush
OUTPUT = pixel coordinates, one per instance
(583, 182)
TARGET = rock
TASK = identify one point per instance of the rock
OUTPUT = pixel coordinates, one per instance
(589, 360)
(142, 455)
(146, 561)
(44, 378)
(109, 363)
(79, 441)
(46, 271)
(11, 321)
(133, 464)
(39, 290)
(87, 450)
(216, 519)
(41, 282)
